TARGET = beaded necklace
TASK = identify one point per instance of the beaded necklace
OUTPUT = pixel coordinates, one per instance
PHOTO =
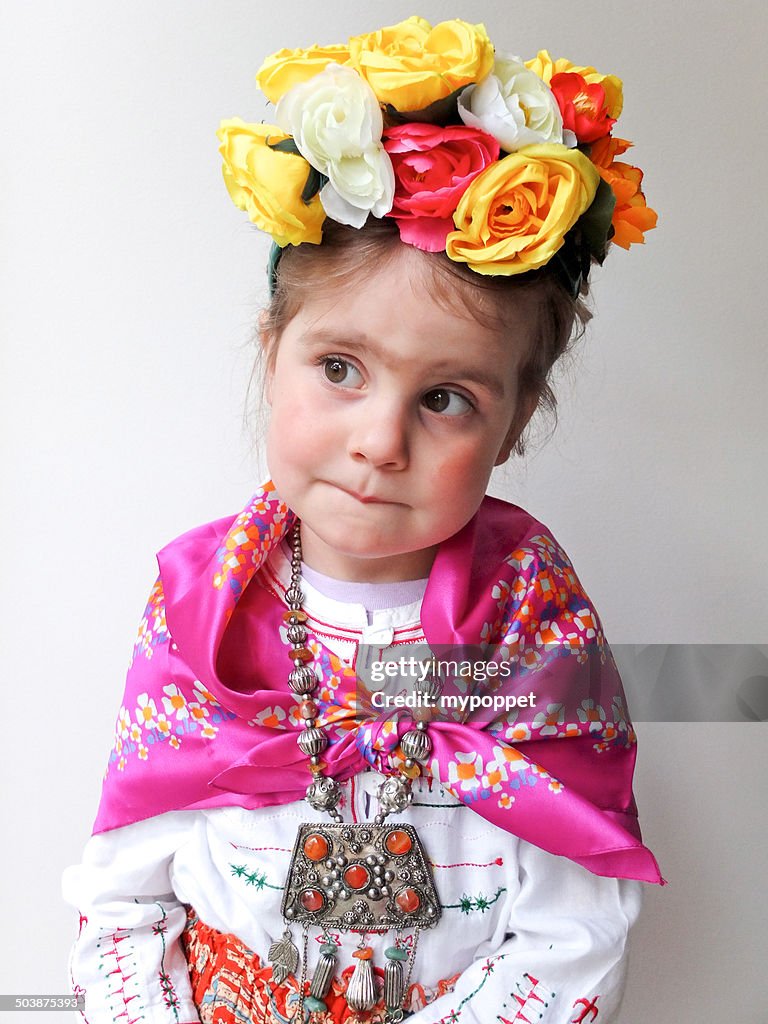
(367, 877)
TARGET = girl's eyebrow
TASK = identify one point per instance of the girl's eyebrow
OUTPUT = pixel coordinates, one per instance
(359, 341)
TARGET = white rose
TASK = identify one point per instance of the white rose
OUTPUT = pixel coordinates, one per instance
(335, 120)
(515, 106)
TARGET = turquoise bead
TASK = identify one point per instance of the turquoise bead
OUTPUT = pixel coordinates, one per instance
(314, 1005)
(330, 948)
(396, 953)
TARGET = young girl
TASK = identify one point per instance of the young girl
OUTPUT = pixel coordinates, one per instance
(278, 838)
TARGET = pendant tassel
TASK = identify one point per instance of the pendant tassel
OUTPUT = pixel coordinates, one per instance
(361, 991)
(394, 987)
(324, 972)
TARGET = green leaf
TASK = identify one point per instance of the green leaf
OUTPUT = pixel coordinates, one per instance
(285, 146)
(315, 181)
(568, 263)
(442, 112)
(595, 223)
(275, 253)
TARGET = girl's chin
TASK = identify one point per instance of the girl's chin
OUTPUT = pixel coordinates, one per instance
(362, 557)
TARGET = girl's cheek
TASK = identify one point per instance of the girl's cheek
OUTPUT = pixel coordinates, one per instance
(464, 467)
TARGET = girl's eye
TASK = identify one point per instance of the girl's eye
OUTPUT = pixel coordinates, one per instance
(449, 403)
(339, 371)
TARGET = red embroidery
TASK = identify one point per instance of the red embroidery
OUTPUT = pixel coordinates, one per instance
(499, 861)
(589, 1007)
(522, 1001)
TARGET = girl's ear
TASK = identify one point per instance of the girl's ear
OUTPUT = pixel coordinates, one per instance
(267, 343)
(519, 423)
(506, 448)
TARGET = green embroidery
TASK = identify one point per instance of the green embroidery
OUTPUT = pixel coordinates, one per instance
(255, 878)
(487, 970)
(471, 904)
(170, 997)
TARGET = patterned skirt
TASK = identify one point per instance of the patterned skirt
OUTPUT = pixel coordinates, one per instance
(231, 986)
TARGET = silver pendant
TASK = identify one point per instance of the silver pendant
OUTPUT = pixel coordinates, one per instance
(361, 991)
(284, 957)
(370, 876)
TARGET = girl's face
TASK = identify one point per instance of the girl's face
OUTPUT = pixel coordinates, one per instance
(388, 412)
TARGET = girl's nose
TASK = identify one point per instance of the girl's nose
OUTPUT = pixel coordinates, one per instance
(380, 436)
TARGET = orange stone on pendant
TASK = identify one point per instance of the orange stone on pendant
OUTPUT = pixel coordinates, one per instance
(398, 842)
(308, 709)
(408, 900)
(311, 899)
(410, 771)
(316, 847)
(363, 954)
(301, 654)
(356, 876)
(295, 615)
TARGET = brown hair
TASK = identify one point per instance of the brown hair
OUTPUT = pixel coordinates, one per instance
(537, 298)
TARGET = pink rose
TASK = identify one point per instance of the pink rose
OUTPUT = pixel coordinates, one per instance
(433, 167)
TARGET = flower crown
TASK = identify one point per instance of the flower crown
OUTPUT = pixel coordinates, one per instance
(502, 164)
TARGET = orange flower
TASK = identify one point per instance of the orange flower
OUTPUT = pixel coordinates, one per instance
(631, 217)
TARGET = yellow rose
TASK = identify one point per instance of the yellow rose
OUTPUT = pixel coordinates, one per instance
(543, 65)
(514, 214)
(267, 183)
(410, 65)
(286, 68)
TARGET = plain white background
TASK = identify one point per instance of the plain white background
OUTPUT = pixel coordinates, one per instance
(129, 289)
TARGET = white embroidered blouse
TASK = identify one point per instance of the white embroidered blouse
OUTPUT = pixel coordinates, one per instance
(532, 937)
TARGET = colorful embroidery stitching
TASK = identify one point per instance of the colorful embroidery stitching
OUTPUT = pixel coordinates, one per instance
(255, 878)
(589, 1006)
(170, 997)
(472, 904)
(529, 997)
(112, 954)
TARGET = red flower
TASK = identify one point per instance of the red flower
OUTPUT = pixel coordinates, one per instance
(583, 106)
(433, 167)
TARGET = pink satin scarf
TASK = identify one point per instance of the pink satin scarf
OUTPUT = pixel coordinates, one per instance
(208, 719)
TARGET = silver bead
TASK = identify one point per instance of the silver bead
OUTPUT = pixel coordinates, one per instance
(322, 795)
(294, 596)
(394, 795)
(416, 744)
(312, 741)
(297, 634)
(302, 679)
(430, 687)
